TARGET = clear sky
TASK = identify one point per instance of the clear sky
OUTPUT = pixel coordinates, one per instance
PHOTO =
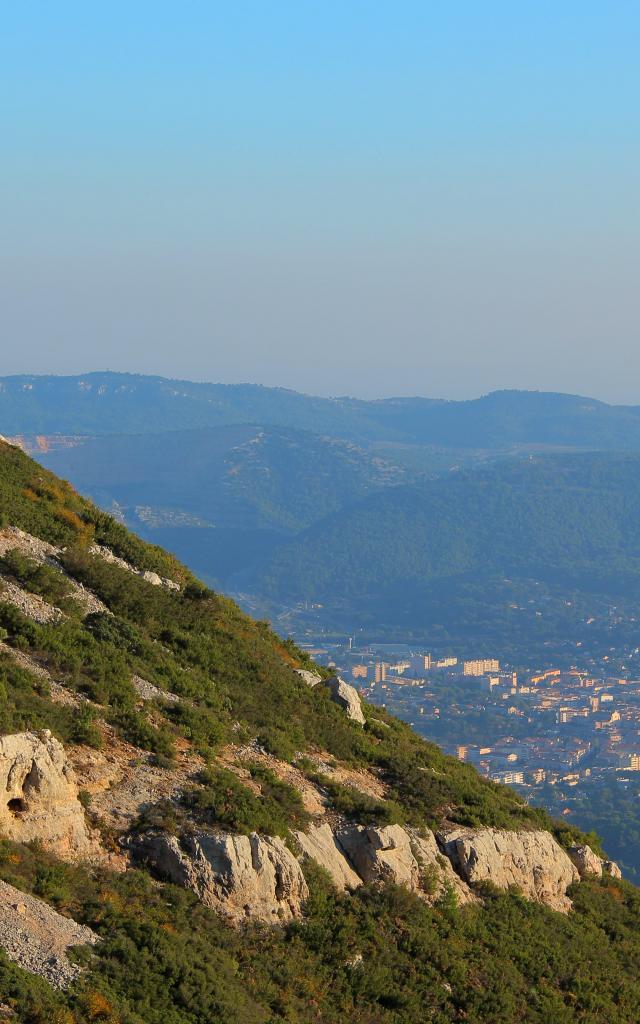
(341, 196)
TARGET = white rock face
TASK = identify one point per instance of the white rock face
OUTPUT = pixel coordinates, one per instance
(147, 691)
(341, 692)
(395, 854)
(308, 677)
(612, 868)
(531, 861)
(347, 697)
(589, 863)
(240, 876)
(585, 860)
(39, 795)
(321, 845)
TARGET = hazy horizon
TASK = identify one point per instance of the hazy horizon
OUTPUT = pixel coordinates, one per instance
(315, 394)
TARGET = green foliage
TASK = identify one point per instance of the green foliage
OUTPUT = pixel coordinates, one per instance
(137, 729)
(355, 804)
(25, 703)
(38, 578)
(225, 800)
(374, 957)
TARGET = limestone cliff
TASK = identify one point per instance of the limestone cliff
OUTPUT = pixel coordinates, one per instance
(532, 862)
(40, 795)
(241, 876)
(402, 856)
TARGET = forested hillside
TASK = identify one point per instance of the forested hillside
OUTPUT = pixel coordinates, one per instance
(184, 720)
(464, 552)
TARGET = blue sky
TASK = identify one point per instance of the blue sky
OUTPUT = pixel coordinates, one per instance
(343, 197)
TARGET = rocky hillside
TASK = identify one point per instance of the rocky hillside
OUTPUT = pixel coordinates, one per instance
(199, 825)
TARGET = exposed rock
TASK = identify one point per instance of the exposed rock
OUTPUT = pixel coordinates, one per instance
(147, 691)
(308, 677)
(107, 555)
(241, 876)
(586, 861)
(37, 938)
(530, 861)
(612, 868)
(589, 863)
(33, 547)
(342, 692)
(347, 697)
(39, 795)
(394, 854)
(41, 551)
(321, 845)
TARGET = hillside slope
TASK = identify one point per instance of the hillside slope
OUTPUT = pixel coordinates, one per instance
(190, 777)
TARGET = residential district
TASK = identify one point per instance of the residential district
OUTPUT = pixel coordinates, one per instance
(528, 728)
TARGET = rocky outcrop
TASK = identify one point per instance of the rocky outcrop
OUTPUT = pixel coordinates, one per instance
(402, 856)
(611, 868)
(532, 862)
(107, 555)
(11, 538)
(37, 938)
(347, 697)
(341, 692)
(240, 876)
(308, 677)
(321, 845)
(589, 863)
(39, 795)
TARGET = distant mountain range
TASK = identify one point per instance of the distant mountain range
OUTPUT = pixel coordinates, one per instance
(111, 403)
(414, 515)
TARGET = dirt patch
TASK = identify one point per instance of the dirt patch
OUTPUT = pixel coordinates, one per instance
(122, 781)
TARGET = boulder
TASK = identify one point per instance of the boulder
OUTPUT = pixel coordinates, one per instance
(39, 795)
(347, 697)
(240, 876)
(532, 862)
(321, 845)
(589, 863)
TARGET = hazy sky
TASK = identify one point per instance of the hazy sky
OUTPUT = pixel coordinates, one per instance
(371, 197)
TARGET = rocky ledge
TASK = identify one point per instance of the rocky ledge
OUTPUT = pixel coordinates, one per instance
(258, 876)
(240, 876)
(532, 862)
